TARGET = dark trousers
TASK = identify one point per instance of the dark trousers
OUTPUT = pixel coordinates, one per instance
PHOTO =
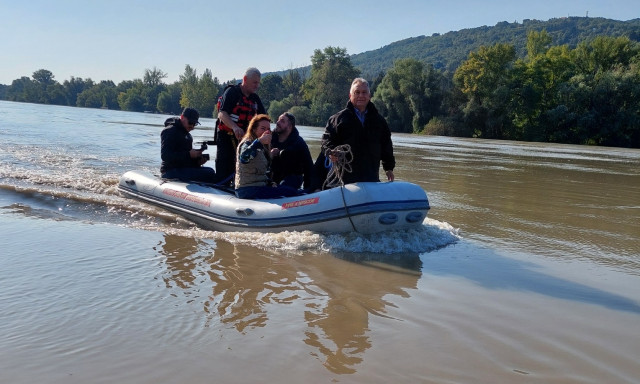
(320, 172)
(292, 181)
(203, 174)
(226, 156)
(266, 192)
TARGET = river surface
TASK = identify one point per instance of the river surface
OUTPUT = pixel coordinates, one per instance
(527, 269)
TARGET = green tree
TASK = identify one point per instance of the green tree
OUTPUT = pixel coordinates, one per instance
(328, 86)
(605, 53)
(278, 107)
(537, 43)
(74, 86)
(56, 94)
(302, 114)
(131, 99)
(375, 82)
(485, 79)
(209, 88)
(153, 77)
(44, 89)
(43, 76)
(535, 89)
(271, 89)
(599, 103)
(615, 107)
(409, 95)
(285, 93)
(125, 85)
(169, 100)
(201, 92)
(152, 87)
(189, 84)
(17, 91)
(101, 95)
(292, 81)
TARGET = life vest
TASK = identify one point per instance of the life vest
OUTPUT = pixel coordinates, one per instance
(241, 113)
(254, 173)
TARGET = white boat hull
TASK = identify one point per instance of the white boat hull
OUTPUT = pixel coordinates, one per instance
(360, 207)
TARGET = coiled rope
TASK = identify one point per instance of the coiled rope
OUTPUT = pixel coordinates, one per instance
(337, 169)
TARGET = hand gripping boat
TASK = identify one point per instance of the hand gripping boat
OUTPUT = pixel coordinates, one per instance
(360, 207)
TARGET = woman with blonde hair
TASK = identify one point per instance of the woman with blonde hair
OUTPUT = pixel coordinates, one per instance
(253, 161)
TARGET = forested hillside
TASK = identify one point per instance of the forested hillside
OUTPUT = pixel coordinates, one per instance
(447, 51)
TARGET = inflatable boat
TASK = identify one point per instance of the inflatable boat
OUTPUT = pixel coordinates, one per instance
(361, 207)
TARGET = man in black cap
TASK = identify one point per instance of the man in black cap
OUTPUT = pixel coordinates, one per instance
(179, 159)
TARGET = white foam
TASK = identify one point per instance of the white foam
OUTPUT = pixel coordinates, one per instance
(430, 236)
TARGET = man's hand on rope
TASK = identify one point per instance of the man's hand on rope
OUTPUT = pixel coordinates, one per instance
(390, 175)
(341, 158)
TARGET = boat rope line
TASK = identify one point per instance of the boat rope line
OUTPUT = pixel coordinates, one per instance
(337, 168)
(346, 208)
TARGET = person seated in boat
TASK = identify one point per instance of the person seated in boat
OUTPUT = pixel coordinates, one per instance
(291, 162)
(366, 132)
(179, 159)
(252, 164)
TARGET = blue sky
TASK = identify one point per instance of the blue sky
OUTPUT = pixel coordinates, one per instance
(118, 39)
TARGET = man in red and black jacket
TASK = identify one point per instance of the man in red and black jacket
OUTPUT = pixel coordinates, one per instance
(238, 105)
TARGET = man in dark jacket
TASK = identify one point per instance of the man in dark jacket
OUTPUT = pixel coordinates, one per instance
(366, 131)
(179, 159)
(291, 162)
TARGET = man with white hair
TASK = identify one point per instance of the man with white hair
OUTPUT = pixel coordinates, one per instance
(367, 133)
(237, 106)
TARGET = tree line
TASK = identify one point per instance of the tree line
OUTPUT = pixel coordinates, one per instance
(589, 94)
(586, 95)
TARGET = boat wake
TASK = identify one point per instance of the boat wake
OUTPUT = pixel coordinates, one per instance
(432, 235)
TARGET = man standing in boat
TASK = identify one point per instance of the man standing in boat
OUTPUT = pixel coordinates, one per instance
(291, 161)
(239, 104)
(366, 132)
(179, 159)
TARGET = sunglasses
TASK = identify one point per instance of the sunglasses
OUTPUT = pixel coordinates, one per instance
(194, 123)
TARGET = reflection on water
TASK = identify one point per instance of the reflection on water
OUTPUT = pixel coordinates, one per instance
(243, 287)
(339, 322)
(490, 270)
(181, 258)
(404, 262)
(246, 283)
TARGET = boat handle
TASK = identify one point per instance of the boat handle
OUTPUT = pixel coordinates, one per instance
(244, 211)
(414, 217)
(388, 219)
